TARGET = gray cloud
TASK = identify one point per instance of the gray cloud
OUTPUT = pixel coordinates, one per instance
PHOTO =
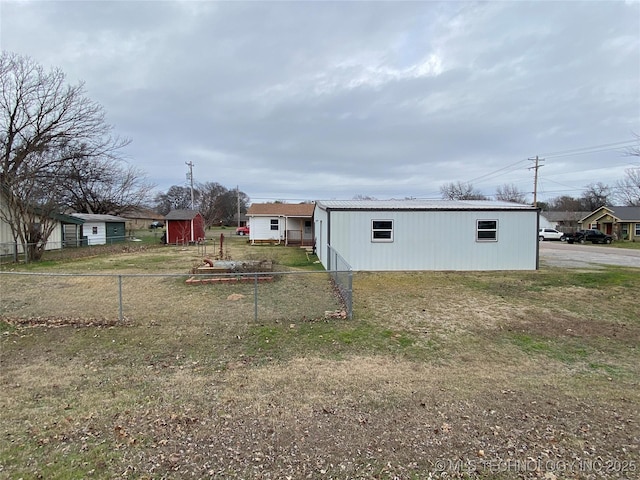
(313, 100)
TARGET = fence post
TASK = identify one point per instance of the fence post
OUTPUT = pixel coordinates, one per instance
(255, 297)
(120, 316)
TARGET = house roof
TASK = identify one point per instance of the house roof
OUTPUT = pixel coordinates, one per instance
(281, 209)
(142, 213)
(94, 217)
(622, 214)
(626, 214)
(181, 215)
(421, 205)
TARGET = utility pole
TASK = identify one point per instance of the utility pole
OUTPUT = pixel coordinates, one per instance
(535, 168)
(238, 198)
(190, 177)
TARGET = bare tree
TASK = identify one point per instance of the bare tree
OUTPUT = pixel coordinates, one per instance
(628, 189)
(510, 193)
(105, 186)
(460, 191)
(595, 196)
(359, 196)
(209, 204)
(176, 198)
(566, 203)
(45, 126)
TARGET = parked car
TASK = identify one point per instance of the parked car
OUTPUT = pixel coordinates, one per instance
(242, 231)
(550, 234)
(156, 225)
(592, 235)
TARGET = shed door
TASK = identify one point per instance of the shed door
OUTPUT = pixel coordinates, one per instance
(115, 232)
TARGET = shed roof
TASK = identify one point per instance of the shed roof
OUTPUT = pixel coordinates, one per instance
(281, 209)
(181, 215)
(421, 205)
(94, 217)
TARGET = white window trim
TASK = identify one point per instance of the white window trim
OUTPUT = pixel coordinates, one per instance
(478, 230)
(382, 240)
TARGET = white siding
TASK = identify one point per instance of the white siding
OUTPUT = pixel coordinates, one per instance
(260, 229)
(7, 244)
(98, 238)
(430, 240)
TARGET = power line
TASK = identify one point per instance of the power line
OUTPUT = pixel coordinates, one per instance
(605, 147)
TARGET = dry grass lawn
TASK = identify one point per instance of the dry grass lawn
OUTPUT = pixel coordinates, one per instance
(439, 375)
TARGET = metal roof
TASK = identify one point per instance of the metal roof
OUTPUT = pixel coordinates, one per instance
(94, 217)
(421, 205)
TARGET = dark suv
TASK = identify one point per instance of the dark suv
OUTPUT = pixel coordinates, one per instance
(591, 235)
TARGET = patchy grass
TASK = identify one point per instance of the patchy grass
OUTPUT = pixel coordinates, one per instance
(439, 374)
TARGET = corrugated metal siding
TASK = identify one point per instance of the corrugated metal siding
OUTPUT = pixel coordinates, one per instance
(320, 232)
(435, 240)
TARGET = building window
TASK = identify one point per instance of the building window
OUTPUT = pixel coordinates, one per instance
(625, 231)
(275, 224)
(487, 231)
(94, 230)
(382, 230)
(637, 234)
(307, 226)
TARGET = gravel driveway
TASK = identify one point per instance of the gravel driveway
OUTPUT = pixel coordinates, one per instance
(561, 254)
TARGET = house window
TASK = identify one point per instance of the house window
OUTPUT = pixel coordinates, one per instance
(307, 226)
(94, 230)
(382, 230)
(625, 231)
(274, 224)
(637, 230)
(486, 231)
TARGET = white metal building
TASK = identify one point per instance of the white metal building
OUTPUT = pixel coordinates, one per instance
(102, 229)
(402, 235)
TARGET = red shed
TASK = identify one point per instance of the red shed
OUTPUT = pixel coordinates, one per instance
(184, 226)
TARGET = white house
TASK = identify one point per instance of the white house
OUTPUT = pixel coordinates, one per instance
(427, 235)
(102, 229)
(288, 223)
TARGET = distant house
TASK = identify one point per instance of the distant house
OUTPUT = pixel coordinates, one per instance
(102, 229)
(291, 224)
(184, 227)
(622, 222)
(404, 235)
(141, 218)
(567, 222)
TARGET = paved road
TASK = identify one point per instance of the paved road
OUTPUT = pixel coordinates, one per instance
(562, 254)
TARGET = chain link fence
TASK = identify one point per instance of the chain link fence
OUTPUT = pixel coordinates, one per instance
(342, 277)
(153, 298)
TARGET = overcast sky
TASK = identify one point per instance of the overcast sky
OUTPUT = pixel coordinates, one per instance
(303, 101)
